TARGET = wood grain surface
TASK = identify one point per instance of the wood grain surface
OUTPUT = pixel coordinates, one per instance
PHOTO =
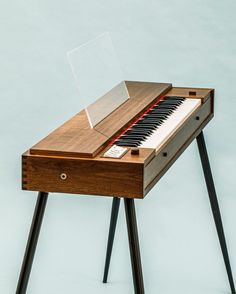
(131, 176)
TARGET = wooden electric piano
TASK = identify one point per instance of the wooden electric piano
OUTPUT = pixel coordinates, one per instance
(72, 159)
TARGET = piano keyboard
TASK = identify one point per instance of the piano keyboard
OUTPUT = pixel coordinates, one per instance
(155, 127)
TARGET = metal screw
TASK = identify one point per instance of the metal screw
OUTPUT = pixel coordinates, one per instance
(63, 176)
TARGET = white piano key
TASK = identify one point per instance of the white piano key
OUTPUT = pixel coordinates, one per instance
(171, 124)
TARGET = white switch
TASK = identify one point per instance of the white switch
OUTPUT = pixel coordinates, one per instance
(115, 152)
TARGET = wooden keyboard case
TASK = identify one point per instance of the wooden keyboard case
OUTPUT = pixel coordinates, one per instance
(69, 159)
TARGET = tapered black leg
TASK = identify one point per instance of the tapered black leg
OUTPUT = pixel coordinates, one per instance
(32, 243)
(214, 205)
(134, 246)
(112, 229)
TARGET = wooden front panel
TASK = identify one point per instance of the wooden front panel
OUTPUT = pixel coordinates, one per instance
(93, 177)
(167, 155)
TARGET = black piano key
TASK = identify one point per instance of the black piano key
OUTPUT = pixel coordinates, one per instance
(131, 130)
(138, 131)
(150, 127)
(171, 107)
(155, 120)
(166, 111)
(154, 112)
(150, 122)
(157, 111)
(130, 139)
(171, 102)
(157, 114)
(126, 144)
(150, 119)
(163, 111)
(174, 98)
(146, 133)
(153, 126)
(132, 135)
(143, 126)
(160, 107)
(138, 137)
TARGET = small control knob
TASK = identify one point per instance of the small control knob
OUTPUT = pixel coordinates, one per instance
(135, 151)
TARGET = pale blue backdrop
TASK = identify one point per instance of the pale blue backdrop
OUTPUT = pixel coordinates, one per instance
(188, 43)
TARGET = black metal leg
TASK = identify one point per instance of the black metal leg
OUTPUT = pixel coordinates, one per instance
(32, 243)
(112, 229)
(134, 246)
(214, 206)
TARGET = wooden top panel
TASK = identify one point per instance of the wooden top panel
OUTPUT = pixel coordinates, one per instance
(75, 138)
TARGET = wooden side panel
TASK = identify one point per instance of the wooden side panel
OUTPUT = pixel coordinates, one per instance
(83, 176)
(24, 172)
(169, 153)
